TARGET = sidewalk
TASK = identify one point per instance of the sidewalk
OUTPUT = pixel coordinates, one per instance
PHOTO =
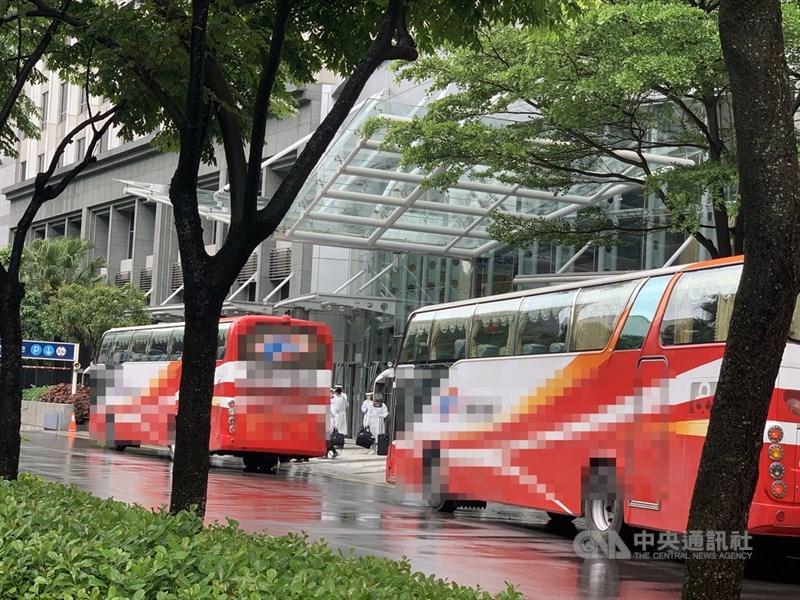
(354, 463)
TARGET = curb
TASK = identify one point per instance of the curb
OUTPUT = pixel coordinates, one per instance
(353, 463)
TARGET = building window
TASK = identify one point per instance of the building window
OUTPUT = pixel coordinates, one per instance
(62, 107)
(23, 170)
(40, 163)
(131, 232)
(84, 101)
(43, 108)
(80, 149)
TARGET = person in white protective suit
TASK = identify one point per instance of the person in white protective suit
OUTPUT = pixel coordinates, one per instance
(365, 406)
(339, 410)
(376, 416)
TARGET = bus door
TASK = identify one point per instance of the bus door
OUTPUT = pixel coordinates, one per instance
(643, 372)
(691, 337)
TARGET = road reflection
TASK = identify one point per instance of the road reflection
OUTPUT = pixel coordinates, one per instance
(486, 548)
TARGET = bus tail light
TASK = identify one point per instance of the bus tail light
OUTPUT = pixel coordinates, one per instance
(779, 489)
(775, 452)
(775, 434)
(776, 470)
(231, 418)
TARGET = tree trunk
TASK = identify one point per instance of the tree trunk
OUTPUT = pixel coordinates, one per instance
(202, 306)
(752, 43)
(711, 104)
(193, 422)
(11, 293)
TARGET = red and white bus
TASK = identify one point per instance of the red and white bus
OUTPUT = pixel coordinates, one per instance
(584, 399)
(271, 389)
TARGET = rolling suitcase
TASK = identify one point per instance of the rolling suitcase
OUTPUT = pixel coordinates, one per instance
(383, 444)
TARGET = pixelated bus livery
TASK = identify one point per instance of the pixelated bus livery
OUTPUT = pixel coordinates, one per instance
(585, 399)
(271, 388)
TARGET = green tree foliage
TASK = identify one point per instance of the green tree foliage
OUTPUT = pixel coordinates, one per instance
(605, 82)
(28, 36)
(31, 313)
(65, 295)
(81, 313)
(49, 264)
(206, 72)
(24, 40)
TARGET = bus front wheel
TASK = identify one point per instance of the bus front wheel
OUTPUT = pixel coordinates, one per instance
(603, 516)
(115, 446)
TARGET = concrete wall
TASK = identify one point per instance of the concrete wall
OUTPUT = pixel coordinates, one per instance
(33, 414)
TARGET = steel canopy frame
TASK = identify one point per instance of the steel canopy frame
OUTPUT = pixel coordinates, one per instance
(359, 197)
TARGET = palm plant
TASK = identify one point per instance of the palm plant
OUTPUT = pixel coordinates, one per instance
(49, 264)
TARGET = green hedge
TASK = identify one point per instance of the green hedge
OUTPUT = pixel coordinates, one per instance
(34, 394)
(60, 542)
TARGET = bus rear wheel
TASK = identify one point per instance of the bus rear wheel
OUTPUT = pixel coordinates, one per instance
(260, 462)
(115, 446)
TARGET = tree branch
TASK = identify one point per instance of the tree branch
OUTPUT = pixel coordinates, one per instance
(44, 192)
(144, 77)
(244, 207)
(27, 68)
(269, 217)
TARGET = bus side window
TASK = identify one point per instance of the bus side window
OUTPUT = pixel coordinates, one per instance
(159, 341)
(491, 328)
(597, 312)
(119, 351)
(415, 344)
(106, 345)
(138, 351)
(176, 344)
(700, 307)
(642, 312)
(449, 326)
(222, 340)
(544, 323)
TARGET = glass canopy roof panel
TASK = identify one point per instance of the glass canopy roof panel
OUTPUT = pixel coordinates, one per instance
(417, 237)
(532, 206)
(335, 227)
(372, 159)
(361, 192)
(430, 218)
(335, 206)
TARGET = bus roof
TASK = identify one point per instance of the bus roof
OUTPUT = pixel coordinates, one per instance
(584, 284)
(172, 325)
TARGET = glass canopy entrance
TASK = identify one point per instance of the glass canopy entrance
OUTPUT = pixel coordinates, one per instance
(359, 197)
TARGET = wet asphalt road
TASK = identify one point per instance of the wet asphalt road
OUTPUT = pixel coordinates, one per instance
(471, 547)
